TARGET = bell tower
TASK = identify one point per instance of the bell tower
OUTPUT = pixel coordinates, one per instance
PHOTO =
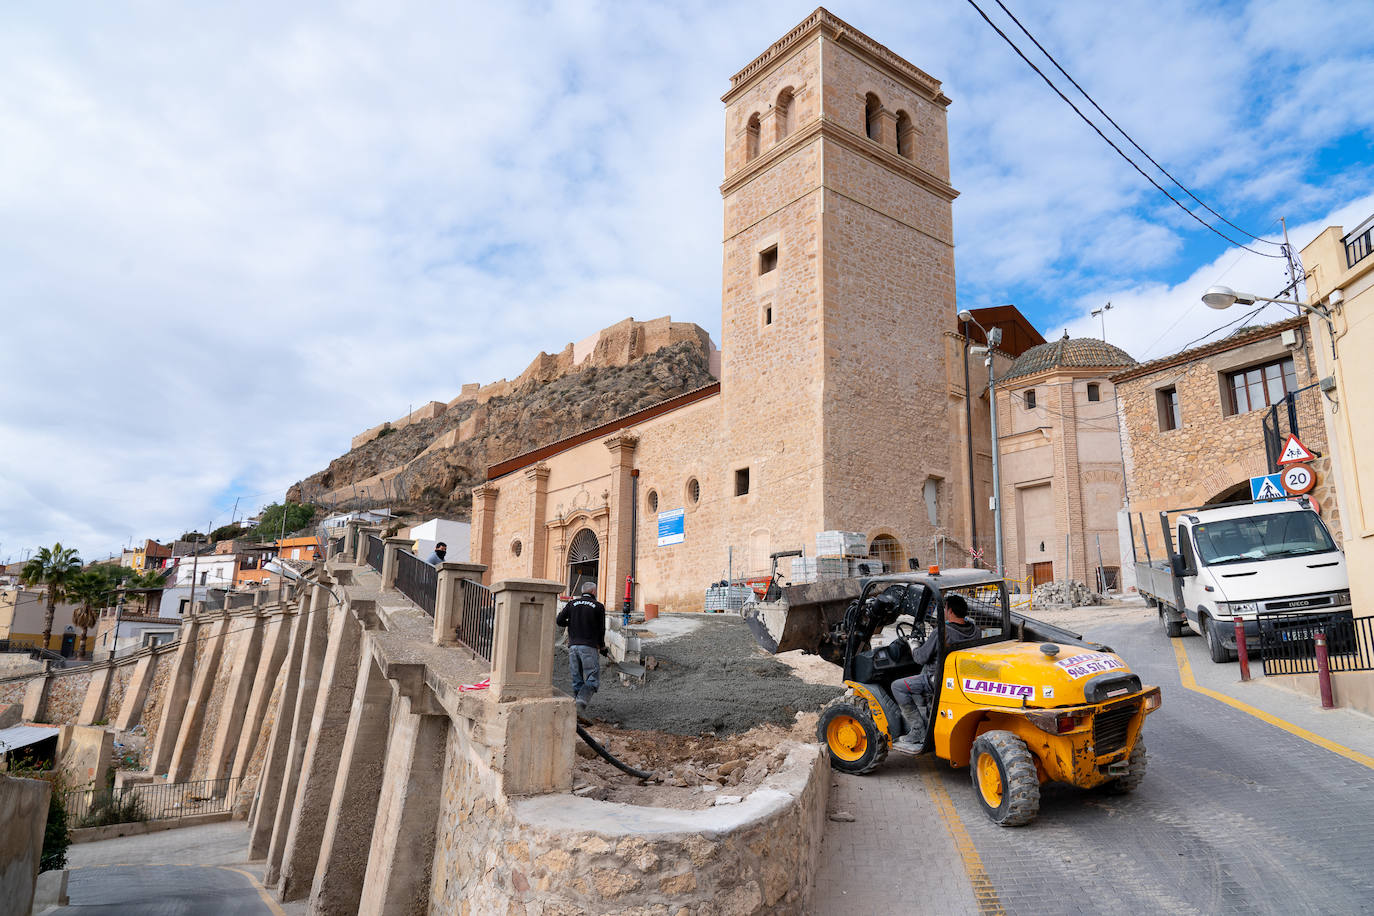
(838, 287)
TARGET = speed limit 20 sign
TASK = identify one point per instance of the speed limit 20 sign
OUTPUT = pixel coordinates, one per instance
(1299, 479)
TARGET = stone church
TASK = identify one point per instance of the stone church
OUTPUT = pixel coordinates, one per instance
(840, 400)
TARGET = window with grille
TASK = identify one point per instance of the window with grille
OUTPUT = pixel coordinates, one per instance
(693, 491)
(653, 500)
(1030, 399)
(1094, 392)
(1260, 386)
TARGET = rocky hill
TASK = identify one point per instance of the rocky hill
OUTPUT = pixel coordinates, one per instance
(429, 461)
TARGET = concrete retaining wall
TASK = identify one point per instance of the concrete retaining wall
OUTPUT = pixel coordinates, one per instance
(24, 814)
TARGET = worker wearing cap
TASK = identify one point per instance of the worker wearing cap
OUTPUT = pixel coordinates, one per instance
(913, 693)
(585, 618)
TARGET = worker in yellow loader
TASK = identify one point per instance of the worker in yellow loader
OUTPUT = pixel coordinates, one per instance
(913, 693)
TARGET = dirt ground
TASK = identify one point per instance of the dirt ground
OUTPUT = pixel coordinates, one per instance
(711, 719)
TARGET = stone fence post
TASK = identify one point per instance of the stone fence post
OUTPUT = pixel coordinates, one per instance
(448, 598)
(522, 654)
(391, 546)
(360, 557)
(351, 537)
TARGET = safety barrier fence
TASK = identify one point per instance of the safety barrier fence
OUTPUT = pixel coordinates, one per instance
(375, 551)
(336, 546)
(477, 624)
(92, 807)
(1288, 642)
(417, 580)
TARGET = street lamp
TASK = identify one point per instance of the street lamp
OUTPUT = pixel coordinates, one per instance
(1223, 297)
(993, 338)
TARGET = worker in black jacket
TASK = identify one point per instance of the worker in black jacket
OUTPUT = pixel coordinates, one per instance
(585, 618)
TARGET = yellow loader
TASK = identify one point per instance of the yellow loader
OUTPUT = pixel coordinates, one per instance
(1016, 707)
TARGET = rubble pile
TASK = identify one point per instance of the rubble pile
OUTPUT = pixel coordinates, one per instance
(1068, 593)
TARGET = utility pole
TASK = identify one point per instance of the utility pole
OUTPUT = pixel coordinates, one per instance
(1102, 314)
(968, 436)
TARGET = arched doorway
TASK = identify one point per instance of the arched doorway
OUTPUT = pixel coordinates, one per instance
(888, 549)
(1234, 494)
(584, 560)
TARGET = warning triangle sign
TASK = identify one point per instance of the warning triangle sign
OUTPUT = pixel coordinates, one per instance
(1294, 452)
(1267, 490)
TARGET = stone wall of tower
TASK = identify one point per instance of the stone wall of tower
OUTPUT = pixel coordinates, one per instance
(889, 299)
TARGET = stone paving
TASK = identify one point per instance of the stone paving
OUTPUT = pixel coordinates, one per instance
(1236, 816)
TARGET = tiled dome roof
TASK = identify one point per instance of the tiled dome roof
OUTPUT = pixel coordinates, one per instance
(1071, 353)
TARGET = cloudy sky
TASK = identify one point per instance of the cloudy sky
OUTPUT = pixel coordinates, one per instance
(236, 235)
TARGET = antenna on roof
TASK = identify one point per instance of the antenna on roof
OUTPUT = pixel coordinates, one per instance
(1066, 333)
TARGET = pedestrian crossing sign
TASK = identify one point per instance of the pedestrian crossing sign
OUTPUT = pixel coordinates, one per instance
(1268, 486)
(1294, 452)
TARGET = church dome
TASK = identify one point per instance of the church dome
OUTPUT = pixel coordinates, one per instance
(1069, 353)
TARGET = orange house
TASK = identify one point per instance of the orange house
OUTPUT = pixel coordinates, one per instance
(303, 548)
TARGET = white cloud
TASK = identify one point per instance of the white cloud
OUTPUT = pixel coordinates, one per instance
(236, 236)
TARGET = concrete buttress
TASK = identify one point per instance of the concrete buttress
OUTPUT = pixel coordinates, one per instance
(174, 701)
(352, 815)
(320, 763)
(264, 816)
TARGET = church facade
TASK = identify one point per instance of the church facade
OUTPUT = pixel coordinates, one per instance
(840, 402)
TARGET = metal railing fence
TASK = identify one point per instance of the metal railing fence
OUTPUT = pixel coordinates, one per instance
(477, 623)
(1358, 248)
(96, 807)
(1288, 642)
(417, 580)
(336, 546)
(375, 551)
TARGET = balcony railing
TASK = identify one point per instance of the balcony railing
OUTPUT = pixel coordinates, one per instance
(477, 624)
(1357, 248)
(417, 580)
(375, 552)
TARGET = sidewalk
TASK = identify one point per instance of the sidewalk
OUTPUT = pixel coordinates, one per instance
(1343, 731)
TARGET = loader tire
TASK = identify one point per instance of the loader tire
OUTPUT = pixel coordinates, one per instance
(1124, 785)
(854, 741)
(1004, 779)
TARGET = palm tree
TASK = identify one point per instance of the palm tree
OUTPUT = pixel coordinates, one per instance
(91, 590)
(54, 568)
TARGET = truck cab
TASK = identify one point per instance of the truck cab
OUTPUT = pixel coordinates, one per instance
(1250, 560)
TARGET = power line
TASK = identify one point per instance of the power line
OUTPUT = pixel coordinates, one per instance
(1128, 137)
(1109, 141)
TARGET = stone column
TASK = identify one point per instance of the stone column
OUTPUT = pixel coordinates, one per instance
(391, 547)
(522, 657)
(448, 599)
(320, 762)
(272, 778)
(97, 690)
(402, 849)
(620, 542)
(175, 695)
(351, 537)
(538, 476)
(275, 643)
(887, 129)
(136, 694)
(242, 665)
(484, 526)
(299, 721)
(192, 724)
(343, 851)
(360, 558)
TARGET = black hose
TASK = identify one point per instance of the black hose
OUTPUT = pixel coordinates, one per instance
(606, 755)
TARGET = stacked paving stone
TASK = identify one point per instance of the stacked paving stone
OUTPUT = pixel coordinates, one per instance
(1070, 593)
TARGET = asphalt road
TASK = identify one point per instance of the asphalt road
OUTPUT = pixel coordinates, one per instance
(1234, 816)
(164, 890)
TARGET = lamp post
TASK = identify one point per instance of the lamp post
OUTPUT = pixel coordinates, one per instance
(1223, 297)
(993, 338)
(1102, 314)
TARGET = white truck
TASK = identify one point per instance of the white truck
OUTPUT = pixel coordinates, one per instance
(1245, 560)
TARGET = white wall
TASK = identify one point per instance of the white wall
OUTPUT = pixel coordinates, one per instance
(457, 535)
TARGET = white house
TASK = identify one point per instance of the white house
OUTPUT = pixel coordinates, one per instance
(457, 535)
(207, 570)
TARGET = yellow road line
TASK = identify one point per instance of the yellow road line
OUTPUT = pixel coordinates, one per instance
(983, 891)
(262, 891)
(1185, 673)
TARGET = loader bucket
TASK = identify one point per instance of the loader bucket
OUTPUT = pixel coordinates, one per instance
(802, 616)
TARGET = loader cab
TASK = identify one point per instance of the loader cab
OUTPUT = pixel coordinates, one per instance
(913, 604)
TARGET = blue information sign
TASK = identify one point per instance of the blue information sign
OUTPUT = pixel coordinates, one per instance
(670, 527)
